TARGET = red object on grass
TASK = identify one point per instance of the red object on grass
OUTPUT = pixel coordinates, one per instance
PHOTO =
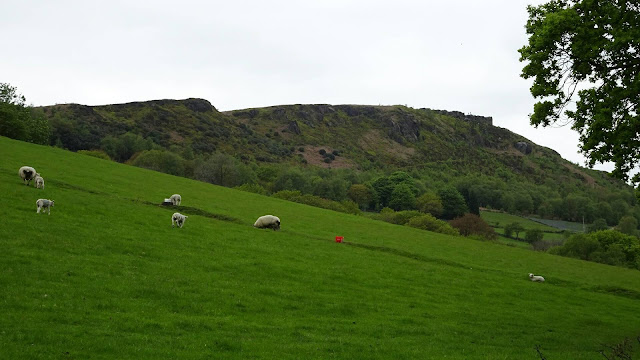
(339, 239)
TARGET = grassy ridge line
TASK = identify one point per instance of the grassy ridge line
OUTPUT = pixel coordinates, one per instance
(120, 283)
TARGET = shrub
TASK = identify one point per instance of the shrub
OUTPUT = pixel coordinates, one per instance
(430, 223)
(322, 151)
(471, 224)
(95, 153)
(514, 227)
(533, 235)
(252, 188)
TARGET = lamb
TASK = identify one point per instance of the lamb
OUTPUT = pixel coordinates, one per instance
(178, 219)
(536, 278)
(39, 182)
(27, 173)
(176, 199)
(44, 205)
(268, 222)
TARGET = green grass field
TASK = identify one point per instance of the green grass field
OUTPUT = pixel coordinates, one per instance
(499, 220)
(105, 276)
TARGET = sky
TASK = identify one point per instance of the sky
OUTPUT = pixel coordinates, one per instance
(449, 55)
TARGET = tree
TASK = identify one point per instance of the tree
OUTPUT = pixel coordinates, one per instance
(360, 194)
(471, 224)
(453, 204)
(514, 227)
(628, 225)
(598, 224)
(402, 198)
(17, 121)
(533, 235)
(588, 52)
(429, 203)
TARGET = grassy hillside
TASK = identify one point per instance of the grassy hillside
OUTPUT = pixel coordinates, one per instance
(105, 276)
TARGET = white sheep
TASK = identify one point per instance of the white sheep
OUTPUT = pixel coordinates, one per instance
(44, 205)
(268, 222)
(536, 278)
(178, 219)
(39, 182)
(27, 173)
(175, 199)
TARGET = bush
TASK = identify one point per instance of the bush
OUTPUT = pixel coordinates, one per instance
(471, 224)
(428, 222)
(95, 153)
(252, 188)
(322, 151)
(159, 160)
(533, 235)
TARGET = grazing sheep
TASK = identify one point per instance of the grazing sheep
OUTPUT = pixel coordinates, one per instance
(27, 173)
(39, 182)
(268, 222)
(536, 278)
(44, 205)
(178, 219)
(176, 199)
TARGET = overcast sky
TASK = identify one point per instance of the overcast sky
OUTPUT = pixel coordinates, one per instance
(452, 55)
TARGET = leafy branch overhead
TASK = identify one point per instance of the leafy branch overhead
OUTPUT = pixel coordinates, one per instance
(584, 57)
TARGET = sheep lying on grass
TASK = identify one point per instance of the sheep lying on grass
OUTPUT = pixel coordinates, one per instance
(44, 205)
(178, 219)
(39, 182)
(268, 222)
(176, 199)
(536, 278)
(27, 173)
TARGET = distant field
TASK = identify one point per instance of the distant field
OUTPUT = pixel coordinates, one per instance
(105, 276)
(561, 225)
(499, 220)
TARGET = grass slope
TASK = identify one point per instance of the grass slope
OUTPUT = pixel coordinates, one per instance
(105, 276)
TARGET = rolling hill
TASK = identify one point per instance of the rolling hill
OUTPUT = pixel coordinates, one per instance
(106, 276)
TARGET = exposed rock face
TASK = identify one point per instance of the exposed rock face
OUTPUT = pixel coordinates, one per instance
(524, 147)
(471, 118)
(293, 127)
(279, 114)
(404, 126)
(199, 105)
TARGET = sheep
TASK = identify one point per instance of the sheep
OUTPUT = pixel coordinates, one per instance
(27, 173)
(178, 219)
(39, 182)
(536, 278)
(268, 222)
(176, 199)
(44, 205)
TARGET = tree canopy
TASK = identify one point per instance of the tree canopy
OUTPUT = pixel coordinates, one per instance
(584, 57)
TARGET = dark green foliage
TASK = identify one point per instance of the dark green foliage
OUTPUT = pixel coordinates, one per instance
(628, 225)
(453, 204)
(514, 227)
(160, 160)
(123, 147)
(17, 121)
(361, 194)
(224, 170)
(402, 198)
(322, 151)
(533, 235)
(591, 46)
(607, 246)
(598, 224)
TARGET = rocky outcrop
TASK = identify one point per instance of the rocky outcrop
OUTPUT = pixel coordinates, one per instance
(524, 147)
(403, 126)
(294, 128)
(488, 120)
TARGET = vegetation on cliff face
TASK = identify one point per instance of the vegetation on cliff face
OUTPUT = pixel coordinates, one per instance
(373, 156)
